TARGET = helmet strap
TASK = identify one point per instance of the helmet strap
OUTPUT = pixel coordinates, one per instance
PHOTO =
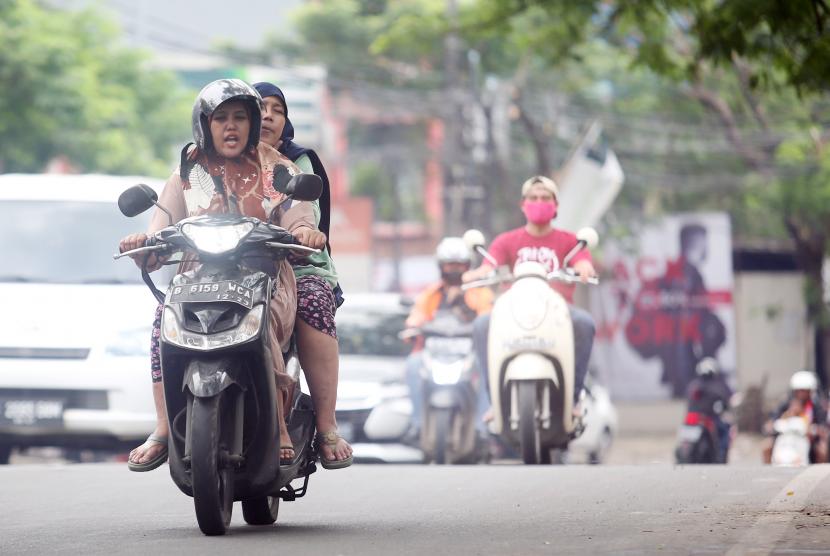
(185, 162)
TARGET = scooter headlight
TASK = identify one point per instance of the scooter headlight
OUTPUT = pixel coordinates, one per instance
(531, 314)
(173, 333)
(216, 239)
(445, 374)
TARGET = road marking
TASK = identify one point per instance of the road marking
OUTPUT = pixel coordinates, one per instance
(762, 537)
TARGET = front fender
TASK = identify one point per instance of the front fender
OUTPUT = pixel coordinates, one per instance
(207, 377)
(531, 366)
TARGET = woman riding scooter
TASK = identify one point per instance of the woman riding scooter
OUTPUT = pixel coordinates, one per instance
(229, 140)
(805, 402)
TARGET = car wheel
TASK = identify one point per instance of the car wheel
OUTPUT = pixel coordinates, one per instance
(5, 453)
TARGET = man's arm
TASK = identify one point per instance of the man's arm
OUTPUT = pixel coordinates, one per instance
(499, 251)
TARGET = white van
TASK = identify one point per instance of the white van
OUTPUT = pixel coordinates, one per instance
(75, 324)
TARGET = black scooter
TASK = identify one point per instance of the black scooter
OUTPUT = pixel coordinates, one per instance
(219, 389)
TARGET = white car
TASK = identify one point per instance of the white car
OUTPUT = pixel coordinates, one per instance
(75, 332)
(372, 378)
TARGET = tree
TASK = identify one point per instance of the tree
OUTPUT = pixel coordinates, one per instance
(742, 61)
(70, 89)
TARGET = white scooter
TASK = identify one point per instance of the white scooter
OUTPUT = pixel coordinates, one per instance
(792, 445)
(531, 355)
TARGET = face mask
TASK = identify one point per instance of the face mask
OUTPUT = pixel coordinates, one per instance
(452, 278)
(539, 212)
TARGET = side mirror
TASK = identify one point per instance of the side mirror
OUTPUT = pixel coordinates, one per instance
(305, 187)
(473, 239)
(137, 199)
(589, 236)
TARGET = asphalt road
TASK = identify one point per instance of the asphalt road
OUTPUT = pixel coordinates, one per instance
(373, 509)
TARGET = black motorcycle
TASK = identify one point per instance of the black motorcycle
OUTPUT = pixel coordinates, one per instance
(219, 388)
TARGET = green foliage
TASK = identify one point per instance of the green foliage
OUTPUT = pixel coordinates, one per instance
(803, 191)
(791, 36)
(70, 89)
(673, 36)
(348, 36)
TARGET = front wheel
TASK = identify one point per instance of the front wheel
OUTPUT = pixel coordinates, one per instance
(443, 424)
(261, 511)
(212, 478)
(529, 438)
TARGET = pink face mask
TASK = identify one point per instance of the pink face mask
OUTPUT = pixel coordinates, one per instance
(539, 212)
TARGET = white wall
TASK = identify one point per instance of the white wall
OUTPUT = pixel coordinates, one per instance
(773, 336)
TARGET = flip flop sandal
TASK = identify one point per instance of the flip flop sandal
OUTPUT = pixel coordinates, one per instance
(288, 461)
(330, 439)
(156, 461)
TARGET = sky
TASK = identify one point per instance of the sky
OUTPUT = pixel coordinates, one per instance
(164, 25)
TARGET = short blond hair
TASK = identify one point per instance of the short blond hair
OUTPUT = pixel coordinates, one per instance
(543, 181)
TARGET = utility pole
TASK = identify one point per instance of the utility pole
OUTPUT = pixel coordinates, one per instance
(453, 120)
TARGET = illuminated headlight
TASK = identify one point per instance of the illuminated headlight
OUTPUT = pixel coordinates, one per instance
(446, 374)
(174, 334)
(216, 239)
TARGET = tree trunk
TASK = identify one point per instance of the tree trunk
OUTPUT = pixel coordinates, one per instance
(544, 167)
(811, 245)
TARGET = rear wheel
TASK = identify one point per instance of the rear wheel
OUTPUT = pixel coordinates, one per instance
(528, 431)
(212, 478)
(443, 424)
(261, 511)
(684, 453)
(705, 450)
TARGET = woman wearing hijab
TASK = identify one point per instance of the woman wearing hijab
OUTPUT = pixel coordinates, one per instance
(318, 293)
(228, 170)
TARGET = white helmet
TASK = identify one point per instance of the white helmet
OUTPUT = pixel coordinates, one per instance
(803, 380)
(708, 366)
(453, 250)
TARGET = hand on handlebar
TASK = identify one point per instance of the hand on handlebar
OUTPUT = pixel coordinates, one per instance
(311, 238)
(585, 270)
(136, 241)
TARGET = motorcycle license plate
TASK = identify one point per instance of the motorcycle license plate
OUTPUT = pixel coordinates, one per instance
(30, 412)
(208, 292)
(690, 434)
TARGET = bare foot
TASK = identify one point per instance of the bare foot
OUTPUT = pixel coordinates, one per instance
(342, 450)
(286, 446)
(286, 454)
(150, 449)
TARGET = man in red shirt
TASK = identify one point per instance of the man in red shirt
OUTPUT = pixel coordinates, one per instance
(538, 241)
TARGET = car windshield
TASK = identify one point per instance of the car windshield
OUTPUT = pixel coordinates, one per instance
(68, 242)
(371, 331)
